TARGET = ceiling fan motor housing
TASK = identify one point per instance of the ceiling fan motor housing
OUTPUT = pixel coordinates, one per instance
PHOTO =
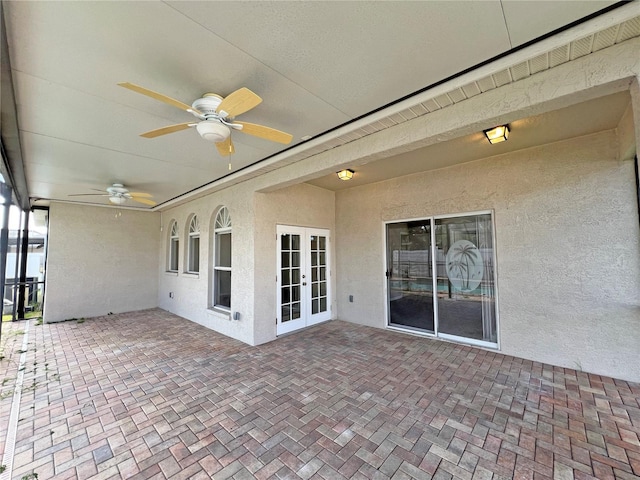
(117, 189)
(208, 104)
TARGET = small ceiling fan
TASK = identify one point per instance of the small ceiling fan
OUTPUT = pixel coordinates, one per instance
(216, 117)
(118, 195)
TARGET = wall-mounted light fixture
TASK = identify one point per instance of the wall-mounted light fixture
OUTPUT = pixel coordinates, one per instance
(497, 134)
(346, 174)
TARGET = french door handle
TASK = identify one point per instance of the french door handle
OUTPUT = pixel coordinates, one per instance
(304, 284)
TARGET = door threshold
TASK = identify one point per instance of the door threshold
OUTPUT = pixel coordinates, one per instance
(306, 327)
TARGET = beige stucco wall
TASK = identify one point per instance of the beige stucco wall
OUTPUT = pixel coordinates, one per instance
(100, 262)
(568, 248)
(301, 206)
(190, 293)
(254, 219)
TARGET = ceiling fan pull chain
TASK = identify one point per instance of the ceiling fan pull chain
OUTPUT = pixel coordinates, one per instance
(230, 151)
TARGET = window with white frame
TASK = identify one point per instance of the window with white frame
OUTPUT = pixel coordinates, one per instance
(222, 260)
(193, 246)
(174, 243)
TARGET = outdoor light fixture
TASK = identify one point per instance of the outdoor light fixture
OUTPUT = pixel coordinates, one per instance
(497, 134)
(346, 174)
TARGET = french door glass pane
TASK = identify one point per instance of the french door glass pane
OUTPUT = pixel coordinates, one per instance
(410, 279)
(318, 246)
(466, 287)
(290, 275)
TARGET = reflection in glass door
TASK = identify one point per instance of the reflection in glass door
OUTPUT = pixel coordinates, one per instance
(290, 281)
(319, 284)
(454, 257)
(409, 275)
(466, 287)
(303, 278)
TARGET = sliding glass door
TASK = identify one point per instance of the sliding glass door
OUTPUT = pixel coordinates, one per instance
(441, 278)
(409, 275)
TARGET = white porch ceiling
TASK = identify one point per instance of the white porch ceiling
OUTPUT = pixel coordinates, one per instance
(317, 65)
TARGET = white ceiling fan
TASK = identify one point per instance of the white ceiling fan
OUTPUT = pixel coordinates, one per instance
(216, 117)
(118, 195)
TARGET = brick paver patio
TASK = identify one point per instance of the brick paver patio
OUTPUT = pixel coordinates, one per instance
(151, 395)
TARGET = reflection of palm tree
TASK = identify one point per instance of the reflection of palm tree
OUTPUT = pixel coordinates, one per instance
(464, 254)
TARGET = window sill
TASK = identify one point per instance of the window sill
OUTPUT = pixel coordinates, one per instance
(171, 274)
(219, 313)
(191, 274)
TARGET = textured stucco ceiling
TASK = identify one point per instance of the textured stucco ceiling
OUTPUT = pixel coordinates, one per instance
(317, 65)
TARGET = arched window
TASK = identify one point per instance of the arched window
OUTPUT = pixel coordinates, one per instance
(222, 260)
(174, 242)
(193, 246)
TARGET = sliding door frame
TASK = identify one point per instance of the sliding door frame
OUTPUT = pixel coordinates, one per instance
(437, 333)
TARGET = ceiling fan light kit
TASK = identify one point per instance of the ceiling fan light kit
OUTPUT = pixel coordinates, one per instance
(117, 200)
(213, 131)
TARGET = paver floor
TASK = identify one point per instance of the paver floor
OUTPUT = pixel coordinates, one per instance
(151, 395)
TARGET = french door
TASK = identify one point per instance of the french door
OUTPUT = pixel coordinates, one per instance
(441, 278)
(303, 286)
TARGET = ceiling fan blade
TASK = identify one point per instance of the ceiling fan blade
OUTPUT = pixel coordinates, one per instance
(146, 201)
(158, 96)
(226, 148)
(267, 133)
(240, 101)
(165, 130)
(88, 195)
(140, 194)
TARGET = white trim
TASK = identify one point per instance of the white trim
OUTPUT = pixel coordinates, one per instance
(468, 341)
(217, 232)
(495, 279)
(434, 280)
(174, 236)
(219, 312)
(171, 273)
(323, 316)
(467, 214)
(191, 274)
(440, 215)
(298, 323)
(412, 331)
(307, 318)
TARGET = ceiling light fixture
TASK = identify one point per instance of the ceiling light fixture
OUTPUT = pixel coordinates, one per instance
(497, 134)
(117, 199)
(213, 131)
(346, 174)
